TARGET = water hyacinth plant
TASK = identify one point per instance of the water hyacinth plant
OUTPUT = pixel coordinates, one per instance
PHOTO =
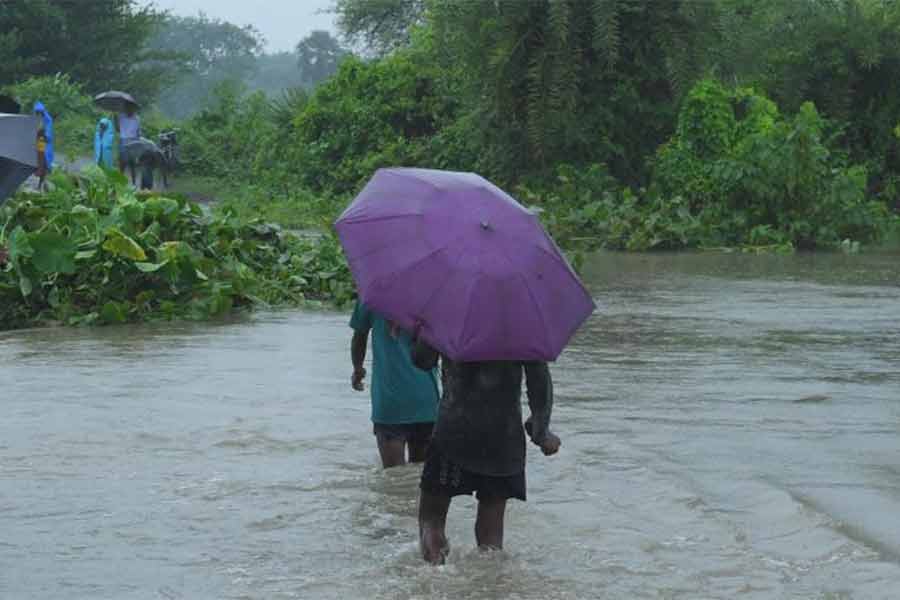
(94, 251)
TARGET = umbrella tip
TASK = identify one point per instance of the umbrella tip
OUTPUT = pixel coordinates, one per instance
(487, 226)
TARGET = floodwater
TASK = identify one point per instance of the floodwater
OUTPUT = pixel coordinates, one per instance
(729, 423)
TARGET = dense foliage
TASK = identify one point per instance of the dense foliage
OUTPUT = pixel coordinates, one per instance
(93, 251)
(100, 44)
(636, 125)
(72, 109)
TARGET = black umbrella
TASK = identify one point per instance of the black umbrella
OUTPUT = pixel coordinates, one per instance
(18, 155)
(115, 101)
(9, 105)
(142, 150)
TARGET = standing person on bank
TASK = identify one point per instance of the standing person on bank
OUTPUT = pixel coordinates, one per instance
(404, 398)
(104, 138)
(128, 124)
(44, 142)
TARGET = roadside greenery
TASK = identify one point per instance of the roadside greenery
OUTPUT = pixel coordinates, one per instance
(93, 251)
(758, 125)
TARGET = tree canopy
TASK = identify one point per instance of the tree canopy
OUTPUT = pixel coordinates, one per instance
(101, 44)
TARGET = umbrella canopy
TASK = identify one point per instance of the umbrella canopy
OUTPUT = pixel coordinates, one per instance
(9, 105)
(141, 149)
(456, 258)
(18, 156)
(114, 101)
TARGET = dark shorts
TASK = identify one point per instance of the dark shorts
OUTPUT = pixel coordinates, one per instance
(443, 477)
(412, 433)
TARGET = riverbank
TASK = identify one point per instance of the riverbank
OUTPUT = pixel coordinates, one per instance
(92, 250)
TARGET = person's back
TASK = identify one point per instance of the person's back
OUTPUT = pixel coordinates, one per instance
(404, 398)
(478, 445)
(479, 423)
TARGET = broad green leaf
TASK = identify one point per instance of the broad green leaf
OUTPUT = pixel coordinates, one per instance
(119, 244)
(19, 245)
(159, 207)
(113, 312)
(25, 285)
(53, 252)
(133, 212)
(171, 250)
(148, 267)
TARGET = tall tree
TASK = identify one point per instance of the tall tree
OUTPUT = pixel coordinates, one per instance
(101, 43)
(379, 26)
(573, 80)
(318, 55)
(210, 51)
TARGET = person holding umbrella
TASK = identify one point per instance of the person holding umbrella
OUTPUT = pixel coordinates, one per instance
(472, 273)
(128, 123)
(478, 445)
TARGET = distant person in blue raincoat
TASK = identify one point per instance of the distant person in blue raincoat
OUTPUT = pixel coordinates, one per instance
(46, 127)
(104, 137)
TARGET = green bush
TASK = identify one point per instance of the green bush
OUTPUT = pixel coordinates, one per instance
(92, 250)
(742, 165)
(73, 112)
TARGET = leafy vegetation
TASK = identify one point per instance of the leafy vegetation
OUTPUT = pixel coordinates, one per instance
(92, 251)
(99, 44)
(72, 109)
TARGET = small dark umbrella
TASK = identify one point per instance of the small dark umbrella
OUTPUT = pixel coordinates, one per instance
(9, 105)
(18, 156)
(141, 150)
(114, 101)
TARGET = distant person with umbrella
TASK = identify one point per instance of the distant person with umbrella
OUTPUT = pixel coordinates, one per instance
(128, 123)
(44, 142)
(472, 273)
(104, 139)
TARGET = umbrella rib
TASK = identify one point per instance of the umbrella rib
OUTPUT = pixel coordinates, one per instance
(557, 258)
(416, 263)
(353, 221)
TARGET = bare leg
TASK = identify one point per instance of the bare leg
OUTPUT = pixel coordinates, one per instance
(432, 527)
(489, 523)
(392, 451)
(417, 450)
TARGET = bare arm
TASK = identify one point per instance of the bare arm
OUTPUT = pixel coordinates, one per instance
(540, 402)
(358, 346)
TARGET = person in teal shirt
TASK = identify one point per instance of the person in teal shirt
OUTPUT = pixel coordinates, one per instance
(404, 398)
(104, 136)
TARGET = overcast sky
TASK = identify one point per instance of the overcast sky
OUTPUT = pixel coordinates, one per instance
(282, 22)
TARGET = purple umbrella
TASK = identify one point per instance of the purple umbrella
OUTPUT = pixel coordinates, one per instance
(456, 258)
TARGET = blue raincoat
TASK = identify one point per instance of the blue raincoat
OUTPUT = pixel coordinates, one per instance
(41, 111)
(103, 143)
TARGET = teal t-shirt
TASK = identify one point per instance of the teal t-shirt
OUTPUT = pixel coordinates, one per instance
(401, 392)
